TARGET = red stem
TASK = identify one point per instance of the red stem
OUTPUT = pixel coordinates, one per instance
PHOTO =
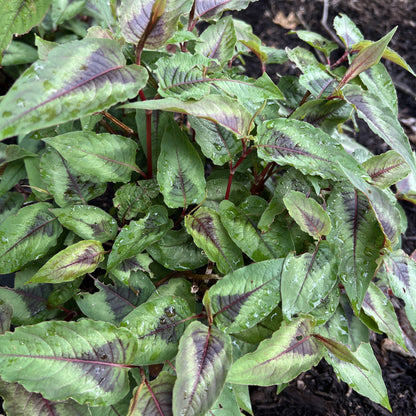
(233, 169)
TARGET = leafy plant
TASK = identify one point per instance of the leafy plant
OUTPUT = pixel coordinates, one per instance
(178, 230)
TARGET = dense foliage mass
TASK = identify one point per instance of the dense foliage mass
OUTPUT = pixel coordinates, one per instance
(178, 230)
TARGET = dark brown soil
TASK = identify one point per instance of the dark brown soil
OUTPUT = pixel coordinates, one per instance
(318, 392)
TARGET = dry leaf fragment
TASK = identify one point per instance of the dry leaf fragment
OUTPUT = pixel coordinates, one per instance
(289, 22)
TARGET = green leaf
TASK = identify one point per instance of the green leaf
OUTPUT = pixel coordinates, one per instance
(177, 251)
(151, 23)
(74, 261)
(19, 17)
(222, 110)
(317, 81)
(378, 81)
(302, 58)
(134, 267)
(203, 360)
(307, 279)
(226, 403)
(401, 272)
(356, 232)
(136, 236)
(243, 298)
(95, 79)
(340, 351)
(347, 30)
(134, 198)
(179, 287)
(216, 142)
(19, 53)
(205, 227)
(85, 360)
(111, 303)
(89, 222)
(10, 203)
(381, 121)
(20, 402)
(369, 382)
(377, 305)
(307, 148)
(14, 172)
(67, 186)
(291, 350)
(158, 325)
(63, 10)
(386, 169)
(366, 58)
(382, 204)
(243, 230)
(317, 41)
(155, 398)
(27, 236)
(108, 157)
(180, 172)
(218, 41)
(308, 214)
(6, 313)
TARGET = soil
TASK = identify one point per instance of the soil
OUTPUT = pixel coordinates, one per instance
(318, 392)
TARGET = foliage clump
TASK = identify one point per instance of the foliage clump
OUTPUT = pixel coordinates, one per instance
(247, 235)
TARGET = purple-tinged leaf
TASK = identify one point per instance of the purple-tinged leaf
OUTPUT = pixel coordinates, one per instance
(86, 360)
(134, 198)
(317, 81)
(158, 324)
(87, 221)
(386, 169)
(307, 279)
(383, 205)
(307, 148)
(381, 121)
(243, 298)
(406, 189)
(308, 214)
(215, 141)
(20, 402)
(222, 110)
(401, 272)
(49, 93)
(202, 364)
(150, 23)
(74, 261)
(356, 232)
(218, 41)
(108, 157)
(180, 171)
(205, 227)
(291, 350)
(111, 303)
(10, 203)
(6, 313)
(212, 9)
(27, 236)
(155, 398)
(366, 58)
(388, 54)
(18, 17)
(137, 235)
(67, 186)
(377, 306)
(347, 30)
(367, 382)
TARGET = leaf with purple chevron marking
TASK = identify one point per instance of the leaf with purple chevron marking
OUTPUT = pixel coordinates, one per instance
(243, 298)
(208, 233)
(86, 360)
(202, 364)
(291, 350)
(94, 78)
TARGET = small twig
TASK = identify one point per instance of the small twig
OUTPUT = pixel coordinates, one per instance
(326, 27)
